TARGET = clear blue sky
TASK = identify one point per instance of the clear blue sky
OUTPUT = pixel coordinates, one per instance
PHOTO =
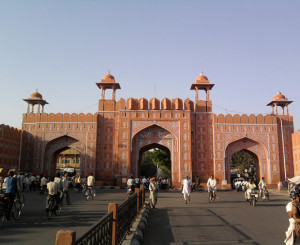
(249, 49)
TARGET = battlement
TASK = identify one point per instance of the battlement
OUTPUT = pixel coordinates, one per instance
(252, 119)
(10, 133)
(155, 104)
(59, 118)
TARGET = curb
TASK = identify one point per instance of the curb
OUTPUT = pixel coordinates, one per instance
(138, 228)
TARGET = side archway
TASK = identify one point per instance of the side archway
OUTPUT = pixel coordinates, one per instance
(54, 147)
(253, 147)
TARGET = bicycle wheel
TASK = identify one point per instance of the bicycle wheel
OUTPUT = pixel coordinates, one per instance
(22, 201)
(88, 197)
(209, 196)
(57, 210)
(16, 210)
(2, 214)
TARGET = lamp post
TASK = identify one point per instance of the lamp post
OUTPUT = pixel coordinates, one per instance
(283, 149)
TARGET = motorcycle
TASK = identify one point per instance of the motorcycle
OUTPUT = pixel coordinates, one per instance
(253, 197)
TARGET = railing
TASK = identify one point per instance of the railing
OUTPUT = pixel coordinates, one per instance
(110, 229)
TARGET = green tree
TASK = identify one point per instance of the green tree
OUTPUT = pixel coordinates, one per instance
(240, 161)
(153, 158)
(148, 168)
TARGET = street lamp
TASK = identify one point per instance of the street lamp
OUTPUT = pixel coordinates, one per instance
(283, 149)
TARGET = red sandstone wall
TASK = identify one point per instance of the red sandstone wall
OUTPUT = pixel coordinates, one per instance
(9, 148)
(296, 152)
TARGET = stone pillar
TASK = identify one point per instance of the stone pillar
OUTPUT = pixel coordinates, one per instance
(114, 94)
(65, 237)
(196, 95)
(207, 94)
(28, 108)
(276, 110)
(287, 110)
(102, 93)
(39, 106)
(272, 109)
(32, 105)
(42, 108)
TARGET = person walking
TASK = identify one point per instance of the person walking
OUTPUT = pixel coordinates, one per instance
(65, 191)
(186, 189)
(43, 185)
(290, 233)
(57, 180)
(153, 188)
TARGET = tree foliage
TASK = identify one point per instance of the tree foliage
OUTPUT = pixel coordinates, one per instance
(240, 161)
(155, 157)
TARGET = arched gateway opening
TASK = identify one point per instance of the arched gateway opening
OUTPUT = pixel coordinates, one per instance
(154, 161)
(68, 161)
(150, 138)
(256, 151)
(59, 148)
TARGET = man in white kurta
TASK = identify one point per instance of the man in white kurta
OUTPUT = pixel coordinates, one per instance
(290, 233)
(211, 184)
(153, 188)
(186, 189)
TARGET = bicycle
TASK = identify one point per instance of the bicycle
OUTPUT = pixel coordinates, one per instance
(53, 207)
(211, 196)
(264, 194)
(15, 211)
(20, 198)
(90, 193)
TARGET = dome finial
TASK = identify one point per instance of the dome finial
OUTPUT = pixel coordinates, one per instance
(201, 72)
(108, 71)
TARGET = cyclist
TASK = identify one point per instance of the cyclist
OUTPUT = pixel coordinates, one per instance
(262, 185)
(11, 189)
(211, 185)
(52, 192)
(91, 183)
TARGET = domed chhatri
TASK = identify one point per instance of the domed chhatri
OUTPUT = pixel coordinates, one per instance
(202, 79)
(279, 96)
(36, 96)
(202, 83)
(108, 78)
(108, 82)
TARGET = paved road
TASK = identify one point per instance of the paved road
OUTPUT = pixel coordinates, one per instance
(229, 220)
(35, 228)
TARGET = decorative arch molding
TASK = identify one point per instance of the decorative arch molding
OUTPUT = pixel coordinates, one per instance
(151, 136)
(139, 125)
(249, 145)
(54, 146)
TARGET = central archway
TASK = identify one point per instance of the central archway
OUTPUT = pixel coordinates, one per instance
(147, 148)
(154, 137)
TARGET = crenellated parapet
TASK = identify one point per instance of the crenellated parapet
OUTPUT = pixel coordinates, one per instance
(30, 118)
(250, 119)
(154, 104)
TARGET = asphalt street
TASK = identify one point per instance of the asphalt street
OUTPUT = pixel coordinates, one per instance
(229, 220)
(34, 227)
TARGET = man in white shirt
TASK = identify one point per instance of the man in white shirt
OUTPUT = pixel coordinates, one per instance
(91, 180)
(43, 185)
(137, 182)
(211, 184)
(186, 189)
(262, 185)
(52, 191)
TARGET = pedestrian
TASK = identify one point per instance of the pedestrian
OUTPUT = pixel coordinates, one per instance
(186, 189)
(65, 191)
(26, 183)
(153, 188)
(290, 233)
(57, 180)
(197, 183)
(43, 185)
(11, 190)
(137, 182)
